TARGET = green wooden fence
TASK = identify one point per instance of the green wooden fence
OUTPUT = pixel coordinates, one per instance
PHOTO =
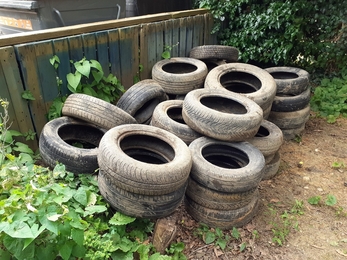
(120, 51)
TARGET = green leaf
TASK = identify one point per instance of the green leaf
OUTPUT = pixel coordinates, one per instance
(83, 68)
(209, 237)
(331, 200)
(79, 251)
(74, 80)
(222, 243)
(81, 196)
(90, 210)
(96, 65)
(27, 95)
(314, 200)
(89, 91)
(19, 229)
(119, 219)
(24, 148)
(243, 247)
(235, 233)
(66, 250)
(77, 236)
(97, 75)
(166, 55)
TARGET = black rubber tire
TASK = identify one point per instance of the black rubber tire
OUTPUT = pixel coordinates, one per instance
(271, 168)
(168, 116)
(144, 159)
(248, 80)
(268, 139)
(95, 111)
(290, 134)
(219, 52)
(54, 144)
(288, 120)
(212, 63)
(140, 206)
(290, 80)
(140, 99)
(222, 115)
(180, 75)
(223, 219)
(290, 103)
(226, 166)
(218, 200)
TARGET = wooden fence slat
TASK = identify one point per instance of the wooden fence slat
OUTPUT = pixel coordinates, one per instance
(160, 45)
(190, 29)
(198, 31)
(168, 34)
(113, 39)
(208, 37)
(26, 54)
(129, 45)
(102, 51)
(76, 48)
(175, 37)
(48, 82)
(183, 37)
(146, 40)
(89, 46)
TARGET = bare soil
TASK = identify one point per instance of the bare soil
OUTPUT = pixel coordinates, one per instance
(313, 231)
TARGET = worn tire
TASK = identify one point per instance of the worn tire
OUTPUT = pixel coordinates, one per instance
(141, 99)
(290, 134)
(218, 52)
(221, 114)
(213, 199)
(290, 103)
(223, 219)
(248, 80)
(168, 116)
(288, 120)
(271, 168)
(179, 75)
(226, 166)
(268, 139)
(95, 111)
(55, 139)
(144, 159)
(212, 63)
(140, 206)
(290, 80)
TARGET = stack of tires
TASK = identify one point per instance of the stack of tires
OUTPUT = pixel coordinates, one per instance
(191, 132)
(291, 106)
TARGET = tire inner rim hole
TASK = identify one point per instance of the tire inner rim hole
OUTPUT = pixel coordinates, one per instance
(284, 75)
(147, 149)
(179, 68)
(175, 113)
(225, 156)
(210, 64)
(223, 105)
(81, 136)
(240, 82)
(262, 132)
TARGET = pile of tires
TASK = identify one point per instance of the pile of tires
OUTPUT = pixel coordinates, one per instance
(291, 106)
(197, 133)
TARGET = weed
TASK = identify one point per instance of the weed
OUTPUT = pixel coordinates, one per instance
(338, 165)
(167, 51)
(210, 236)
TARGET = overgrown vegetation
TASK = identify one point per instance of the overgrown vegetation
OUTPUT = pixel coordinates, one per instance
(88, 78)
(307, 34)
(55, 214)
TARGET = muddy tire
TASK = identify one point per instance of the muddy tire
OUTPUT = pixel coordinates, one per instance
(213, 199)
(271, 168)
(290, 80)
(226, 166)
(268, 139)
(144, 159)
(290, 103)
(140, 206)
(217, 52)
(290, 134)
(223, 219)
(168, 116)
(179, 75)
(95, 111)
(141, 99)
(288, 120)
(248, 80)
(221, 114)
(56, 144)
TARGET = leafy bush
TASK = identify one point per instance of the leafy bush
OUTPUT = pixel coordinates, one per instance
(308, 34)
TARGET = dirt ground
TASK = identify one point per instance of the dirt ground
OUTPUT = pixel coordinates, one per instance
(310, 231)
